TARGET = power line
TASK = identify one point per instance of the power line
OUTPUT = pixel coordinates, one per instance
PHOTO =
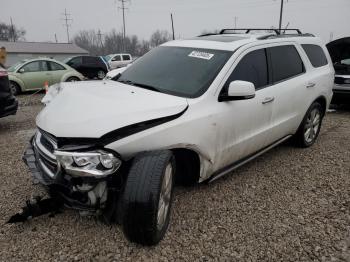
(68, 22)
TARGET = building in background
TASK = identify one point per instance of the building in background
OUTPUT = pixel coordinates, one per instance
(18, 51)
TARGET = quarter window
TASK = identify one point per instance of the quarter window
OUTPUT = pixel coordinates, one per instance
(252, 68)
(56, 67)
(316, 55)
(285, 62)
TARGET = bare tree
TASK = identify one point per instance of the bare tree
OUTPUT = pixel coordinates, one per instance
(112, 42)
(159, 37)
(11, 33)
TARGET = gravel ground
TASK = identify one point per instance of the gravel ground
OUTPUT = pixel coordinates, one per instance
(288, 205)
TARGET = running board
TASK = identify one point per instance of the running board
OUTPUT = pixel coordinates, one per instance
(240, 163)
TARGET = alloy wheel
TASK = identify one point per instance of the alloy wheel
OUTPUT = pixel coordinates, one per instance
(312, 125)
(165, 197)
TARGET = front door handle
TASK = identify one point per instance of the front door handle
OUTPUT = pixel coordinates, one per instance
(309, 85)
(268, 100)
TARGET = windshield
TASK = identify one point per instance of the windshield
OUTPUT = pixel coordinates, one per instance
(186, 72)
(14, 67)
(345, 62)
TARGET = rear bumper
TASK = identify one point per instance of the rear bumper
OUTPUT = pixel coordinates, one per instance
(8, 106)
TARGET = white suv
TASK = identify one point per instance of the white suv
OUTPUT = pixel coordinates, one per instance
(188, 111)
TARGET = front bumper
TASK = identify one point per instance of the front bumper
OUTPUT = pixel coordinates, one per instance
(341, 96)
(8, 107)
(62, 185)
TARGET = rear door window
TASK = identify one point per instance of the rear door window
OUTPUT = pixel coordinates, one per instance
(89, 60)
(252, 68)
(285, 62)
(316, 55)
(126, 57)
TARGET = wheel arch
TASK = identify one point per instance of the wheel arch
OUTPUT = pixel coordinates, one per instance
(19, 83)
(188, 165)
(323, 102)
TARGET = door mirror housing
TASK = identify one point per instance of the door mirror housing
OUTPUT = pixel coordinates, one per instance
(21, 71)
(238, 90)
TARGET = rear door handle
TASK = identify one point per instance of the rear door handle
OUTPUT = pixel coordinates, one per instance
(268, 100)
(309, 85)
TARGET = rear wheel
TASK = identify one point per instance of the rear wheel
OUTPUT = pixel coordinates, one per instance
(72, 79)
(15, 88)
(147, 197)
(310, 127)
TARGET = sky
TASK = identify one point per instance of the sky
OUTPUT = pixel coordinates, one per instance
(42, 19)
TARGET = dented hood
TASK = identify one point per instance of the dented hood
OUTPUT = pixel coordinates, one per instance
(93, 109)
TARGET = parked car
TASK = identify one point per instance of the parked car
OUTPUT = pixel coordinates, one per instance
(90, 66)
(188, 111)
(32, 74)
(113, 73)
(340, 54)
(8, 103)
(119, 60)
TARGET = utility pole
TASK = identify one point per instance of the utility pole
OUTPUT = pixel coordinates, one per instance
(236, 18)
(56, 38)
(99, 35)
(172, 25)
(281, 16)
(67, 21)
(123, 8)
(12, 31)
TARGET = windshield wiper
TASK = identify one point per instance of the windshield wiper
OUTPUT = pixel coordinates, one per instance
(128, 82)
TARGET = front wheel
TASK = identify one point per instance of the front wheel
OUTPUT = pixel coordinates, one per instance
(147, 197)
(310, 127)
(101, 74)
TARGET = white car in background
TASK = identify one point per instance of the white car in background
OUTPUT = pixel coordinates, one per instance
(119, 60)
(188, 111)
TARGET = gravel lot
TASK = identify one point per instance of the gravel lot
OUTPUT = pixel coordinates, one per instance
(288, 205)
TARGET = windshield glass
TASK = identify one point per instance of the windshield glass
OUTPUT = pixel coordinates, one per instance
(15, 66)
(345, 62)
(186, 72)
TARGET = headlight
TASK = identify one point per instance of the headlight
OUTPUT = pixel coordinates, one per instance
(89, 164)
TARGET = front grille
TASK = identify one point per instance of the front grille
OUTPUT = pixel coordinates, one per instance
(339, 80)
(44, 148)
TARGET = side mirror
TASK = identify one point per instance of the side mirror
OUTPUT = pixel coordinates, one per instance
(21, 70)
(238, 90)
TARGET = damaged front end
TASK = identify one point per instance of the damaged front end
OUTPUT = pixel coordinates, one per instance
(85, 177)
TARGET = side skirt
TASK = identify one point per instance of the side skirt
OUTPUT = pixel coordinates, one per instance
(226, 170)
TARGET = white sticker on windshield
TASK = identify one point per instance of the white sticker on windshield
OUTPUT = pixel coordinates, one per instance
(202, 55)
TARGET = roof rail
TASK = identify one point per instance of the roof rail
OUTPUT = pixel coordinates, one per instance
(284, 35)
(248, 30)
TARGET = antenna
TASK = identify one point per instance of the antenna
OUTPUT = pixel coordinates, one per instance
(123, 8)
(68, 22)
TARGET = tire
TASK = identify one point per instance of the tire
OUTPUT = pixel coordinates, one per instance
(101, 74)
(72, 79)
(310, 127)
(147, 197)
(15, 88)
